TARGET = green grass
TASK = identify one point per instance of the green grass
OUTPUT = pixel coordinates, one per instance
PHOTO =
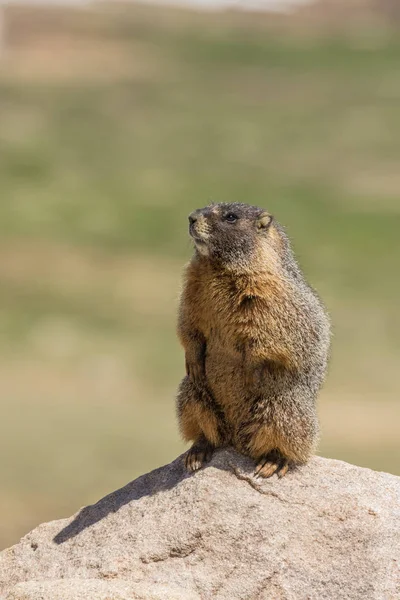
(96, 175)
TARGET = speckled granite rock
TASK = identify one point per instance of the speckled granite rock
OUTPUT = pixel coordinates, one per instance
(329, 530)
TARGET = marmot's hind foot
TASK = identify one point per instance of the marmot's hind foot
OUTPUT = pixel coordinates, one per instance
(271, 463)
(200, 453)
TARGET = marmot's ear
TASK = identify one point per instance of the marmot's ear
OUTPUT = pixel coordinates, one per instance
(264, 220)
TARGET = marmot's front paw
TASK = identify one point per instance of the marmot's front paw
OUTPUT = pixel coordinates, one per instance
(196, 372)
(271, 463)
(200, 453)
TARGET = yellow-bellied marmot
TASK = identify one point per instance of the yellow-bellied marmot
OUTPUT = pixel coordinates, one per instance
(256, 340)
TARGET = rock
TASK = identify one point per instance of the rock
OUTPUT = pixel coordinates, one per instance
(95, 589)
(326, 531)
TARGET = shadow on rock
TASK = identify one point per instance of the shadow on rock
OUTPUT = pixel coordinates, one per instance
(162, 479)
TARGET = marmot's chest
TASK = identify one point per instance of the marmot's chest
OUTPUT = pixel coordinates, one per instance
(228, 313)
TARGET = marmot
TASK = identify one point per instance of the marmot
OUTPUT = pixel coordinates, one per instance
(256, 339)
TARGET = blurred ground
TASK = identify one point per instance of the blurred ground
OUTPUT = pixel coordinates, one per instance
(115, 123)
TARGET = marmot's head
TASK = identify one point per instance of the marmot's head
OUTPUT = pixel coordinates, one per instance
(237, 236)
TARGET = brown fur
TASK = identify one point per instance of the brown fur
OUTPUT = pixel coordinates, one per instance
(256, 340)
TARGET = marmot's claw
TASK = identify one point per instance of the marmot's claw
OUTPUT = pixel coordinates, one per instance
(283, 469)
(198, 455)
(271, 463)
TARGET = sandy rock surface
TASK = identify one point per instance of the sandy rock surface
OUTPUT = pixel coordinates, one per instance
(328, 530)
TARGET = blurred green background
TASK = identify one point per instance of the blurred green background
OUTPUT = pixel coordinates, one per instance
(115, 123)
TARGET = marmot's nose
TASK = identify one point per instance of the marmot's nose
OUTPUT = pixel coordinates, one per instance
(193, 217)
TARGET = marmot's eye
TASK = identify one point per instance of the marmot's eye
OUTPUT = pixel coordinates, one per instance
(231, 218)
